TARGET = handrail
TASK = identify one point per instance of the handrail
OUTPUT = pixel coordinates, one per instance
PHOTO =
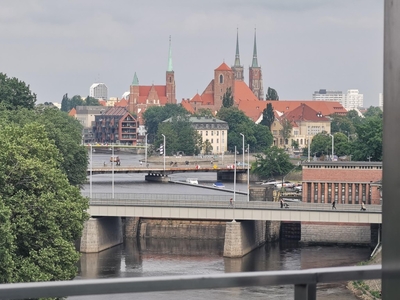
(305, 282)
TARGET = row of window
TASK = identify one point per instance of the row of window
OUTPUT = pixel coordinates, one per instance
(216, 133)
(344, 193)
(342, 167)
(217, 141)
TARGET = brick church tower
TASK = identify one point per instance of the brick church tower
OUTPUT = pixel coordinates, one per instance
(237, 68)
(170, 78)
(224, 78)
(255, 75)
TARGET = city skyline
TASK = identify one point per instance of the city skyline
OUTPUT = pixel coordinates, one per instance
(302, 47)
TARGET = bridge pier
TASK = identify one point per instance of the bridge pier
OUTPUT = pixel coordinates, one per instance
(100, 234)
(245, 236)
(228, 176)
(157, 177)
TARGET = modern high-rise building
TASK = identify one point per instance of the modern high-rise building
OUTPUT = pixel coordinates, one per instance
(353, 99)
(326, 95)
(98, 91)
(381, 100)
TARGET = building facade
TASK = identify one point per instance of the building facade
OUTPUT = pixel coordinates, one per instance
(326, 95)
(213, 130)
(353, 99)
(255, 74)
(344, 182)
(115, 126)
(98, 91)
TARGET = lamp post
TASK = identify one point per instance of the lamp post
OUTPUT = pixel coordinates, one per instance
(234, 188)
(91, 169)
(333, 146)
(145, 154)
(113, 159)
(242, 150)
(308, 142)
(348, 136)
(164, 152)
(248, 172)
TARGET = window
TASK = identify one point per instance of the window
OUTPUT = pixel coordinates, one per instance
(308, 192)
(322, 192)
(223, 133)
(217, 133)
(206, 133)
(212, 132)
(356, 192)
(221, 79)
(350, 193)
(343, 192)
(315, 192)
(275, 132)
(364, 192)
(336, 192)
(217, 141)
(212, 141)
(329, 192)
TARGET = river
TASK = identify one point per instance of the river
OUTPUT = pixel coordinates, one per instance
(162, 257)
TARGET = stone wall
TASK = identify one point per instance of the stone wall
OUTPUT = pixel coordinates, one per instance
(101, 233)
(131, 227)
(184, 229)
(272, 231)
(261, 193)
(335, 233)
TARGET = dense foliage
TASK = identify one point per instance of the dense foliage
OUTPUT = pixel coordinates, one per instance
(271, 163)
(272, 94)
(268, 116)
(41, 214)
(257, 136)
(67, 104)
(15, 94)
(155, 115)
(179, 136)
(227, 98)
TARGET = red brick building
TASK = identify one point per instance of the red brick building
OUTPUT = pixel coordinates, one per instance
(345, 182)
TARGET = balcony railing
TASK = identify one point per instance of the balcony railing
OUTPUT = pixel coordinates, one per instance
(304, 281)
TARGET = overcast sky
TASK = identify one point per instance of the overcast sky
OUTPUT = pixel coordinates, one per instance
(64, 46)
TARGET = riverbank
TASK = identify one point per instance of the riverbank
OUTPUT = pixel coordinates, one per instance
(368, 289)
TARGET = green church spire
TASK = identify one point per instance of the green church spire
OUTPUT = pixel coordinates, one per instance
(170, 69)
(255, 61)
(237, 56)
(135, 80)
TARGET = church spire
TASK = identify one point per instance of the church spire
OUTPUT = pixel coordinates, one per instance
(170, 69)
(255, 61)
(237, 56)
(135, 80)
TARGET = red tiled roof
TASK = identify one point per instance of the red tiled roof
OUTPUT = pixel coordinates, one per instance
(243, 92)
(223, 67)
(72, 112)
(121, 103)
(144, 90)
(116, 111)
(305, 113)
(102, 103)
(186, 105)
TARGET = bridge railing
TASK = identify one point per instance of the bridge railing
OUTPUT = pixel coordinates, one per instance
(304, 281)
(217, 201)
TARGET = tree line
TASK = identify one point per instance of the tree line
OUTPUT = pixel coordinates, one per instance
(69, 103)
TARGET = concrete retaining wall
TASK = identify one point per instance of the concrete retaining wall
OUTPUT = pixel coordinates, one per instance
(261, 193)
(184, 229)
(100, 234)
(335, 233)
(131, 227)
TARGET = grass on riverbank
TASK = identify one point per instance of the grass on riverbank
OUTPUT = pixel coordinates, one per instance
(367, 289)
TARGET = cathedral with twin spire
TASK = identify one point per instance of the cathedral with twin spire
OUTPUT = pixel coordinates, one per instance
(232, 78)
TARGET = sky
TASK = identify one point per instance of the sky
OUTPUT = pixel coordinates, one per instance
(65, 46)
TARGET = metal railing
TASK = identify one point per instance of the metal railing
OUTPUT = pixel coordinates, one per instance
(304, 281)
(217, 201)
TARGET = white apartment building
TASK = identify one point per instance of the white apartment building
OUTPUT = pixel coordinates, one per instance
(353, 99)
(381, 100)
(326, 95)
(98, 91)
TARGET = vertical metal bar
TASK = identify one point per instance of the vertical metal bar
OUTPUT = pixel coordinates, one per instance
(305, 292)
(391, 147)
(112, 185)
(145, 154)
(91, 170)
(234, 185)
(248, 172)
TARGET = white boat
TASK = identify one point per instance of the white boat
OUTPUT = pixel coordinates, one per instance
(192, 180)
(219, 185)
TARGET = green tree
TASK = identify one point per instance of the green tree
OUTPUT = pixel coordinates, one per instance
(15, 94)
(268, 116)
(155, 115)
(272, 94)
(207, 147)
(286, 129)
(295, 144)
(342, 144)
(341, 123)
(65, 103)
(227, 98)
(368, 144)
(272, 162)
(320, 144)
(64, 131)
(257, 136)
(41, 213)
(77, 101)
(373, 111)
(203, 112)
(90, 101)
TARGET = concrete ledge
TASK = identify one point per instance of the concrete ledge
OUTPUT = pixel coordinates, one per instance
(100, 234)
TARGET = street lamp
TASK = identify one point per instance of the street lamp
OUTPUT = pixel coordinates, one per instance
(242, 150)
(248, 172)
(113, 159)
(145, 154)
(348, 136)
(164, 152)
(234, 188)
(333, 145)
(91, 170)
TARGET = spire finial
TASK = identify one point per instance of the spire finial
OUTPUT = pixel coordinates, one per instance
(170, 68)
(255, 61)
(237, 56)
(135, 80)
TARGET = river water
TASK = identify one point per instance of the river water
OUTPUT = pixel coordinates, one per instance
(162, 257)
